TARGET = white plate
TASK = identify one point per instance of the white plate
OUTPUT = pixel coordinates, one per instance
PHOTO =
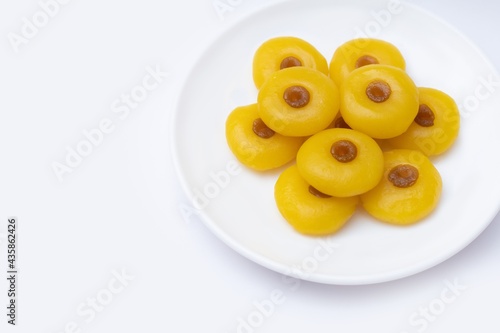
(237, 204)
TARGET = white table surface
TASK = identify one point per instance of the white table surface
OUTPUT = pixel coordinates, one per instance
(108, 249)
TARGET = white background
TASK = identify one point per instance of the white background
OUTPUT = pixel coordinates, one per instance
(119, 213)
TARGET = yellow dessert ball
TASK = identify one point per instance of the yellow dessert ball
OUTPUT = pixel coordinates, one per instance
(435, 127)
(284, 52)
(361, 52)
(409, 190)
(256, 145)
(341, 162)
(308, 210)
(298, 101)
(379, 100)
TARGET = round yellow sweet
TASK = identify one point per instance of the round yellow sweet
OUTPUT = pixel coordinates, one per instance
(256, 145)
(404, 196)
(284, 52)
(361, 52)
(307, 210)
(298, 101)
(436, 126)
(379, 100)
(341, 162)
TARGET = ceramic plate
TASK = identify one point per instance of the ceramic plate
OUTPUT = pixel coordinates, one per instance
(237, 204)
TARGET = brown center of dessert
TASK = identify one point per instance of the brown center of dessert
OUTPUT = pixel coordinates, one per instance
(290, 62)
(425, 116)
(378, 91)
(261, 129)
(296, 96)
(403, 175)
(317, 193)
(366, 60)
(344, 151)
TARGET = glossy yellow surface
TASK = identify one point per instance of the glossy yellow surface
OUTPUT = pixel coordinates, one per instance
(315, 116)
(306, 212)
(396, 205)
(438, 138)
(379, 120)
(319, 168)
(268, 57)
(346, 56)
(253, 151)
